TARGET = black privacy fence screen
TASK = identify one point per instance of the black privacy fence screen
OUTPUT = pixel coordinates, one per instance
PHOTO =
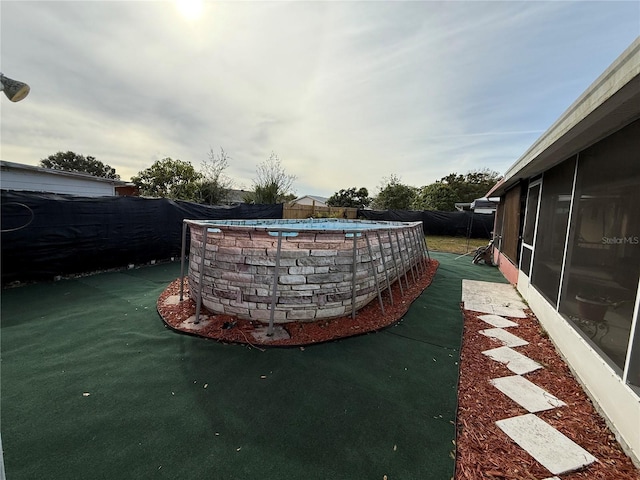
(450, 224)
(44, 235)
(48, 235)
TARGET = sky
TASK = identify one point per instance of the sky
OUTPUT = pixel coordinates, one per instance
(345, 93)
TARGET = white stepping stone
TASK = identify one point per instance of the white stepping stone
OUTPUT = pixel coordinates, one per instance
(548, 446)
(526, 394)
(497, 321)
(494, 298)
(494, 309)
(506, 338)
(552, 478)
(494, 293)
(514, 361)
(509, 311)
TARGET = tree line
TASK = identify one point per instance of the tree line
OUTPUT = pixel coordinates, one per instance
(441, 195)
(178, 179)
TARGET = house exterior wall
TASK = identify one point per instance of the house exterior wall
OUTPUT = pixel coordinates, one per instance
(506, 267)
(42, 181)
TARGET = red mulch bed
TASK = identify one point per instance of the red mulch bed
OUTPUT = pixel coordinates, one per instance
(368, 318)
(485, 452)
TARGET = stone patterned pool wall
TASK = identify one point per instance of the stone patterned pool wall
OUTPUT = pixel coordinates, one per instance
(315, 278)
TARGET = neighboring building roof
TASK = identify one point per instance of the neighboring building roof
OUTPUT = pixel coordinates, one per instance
(237, 196)
(21, 177)
(314, 198)
(610, 103)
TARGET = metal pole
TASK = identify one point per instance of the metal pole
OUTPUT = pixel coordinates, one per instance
(426, 246)
(421, 243)
(409, 259)
(395, 263)
(274, 293)
(404, 268)
(469, 227)
(414, 247)
(384, 265)
(375, 274)
(183, 250)
(420, 249)
(353, 276)
(204, 252)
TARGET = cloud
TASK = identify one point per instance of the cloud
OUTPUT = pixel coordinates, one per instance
(344, 92)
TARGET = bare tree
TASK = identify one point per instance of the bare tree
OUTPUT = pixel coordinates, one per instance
(214, 187)
(272, 184)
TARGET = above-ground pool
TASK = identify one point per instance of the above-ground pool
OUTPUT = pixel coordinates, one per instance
(280, 271)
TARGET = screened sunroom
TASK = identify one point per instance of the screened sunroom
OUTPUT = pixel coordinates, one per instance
(568, 234)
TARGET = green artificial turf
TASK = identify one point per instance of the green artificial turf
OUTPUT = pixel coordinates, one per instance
(94, 386)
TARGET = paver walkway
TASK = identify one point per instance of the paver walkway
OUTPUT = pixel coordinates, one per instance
(553, 450)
